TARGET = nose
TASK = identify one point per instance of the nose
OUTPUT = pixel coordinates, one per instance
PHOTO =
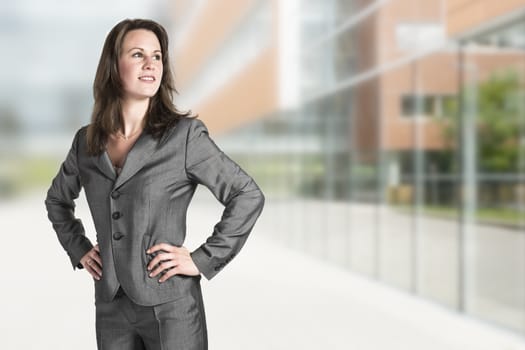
(148, 62)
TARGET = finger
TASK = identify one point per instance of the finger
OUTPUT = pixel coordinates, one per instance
(162, 267)
(162, 246)
(160, 258)
(95, 267)
(92, 266)
(96, 257)
(97, 248)
(169, 273)
(92, 272)
(84, 261)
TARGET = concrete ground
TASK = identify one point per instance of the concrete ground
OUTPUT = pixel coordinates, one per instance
(269, 297)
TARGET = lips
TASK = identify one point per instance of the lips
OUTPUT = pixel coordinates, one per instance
(147, 78)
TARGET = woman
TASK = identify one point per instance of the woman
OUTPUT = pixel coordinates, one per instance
(139, 162)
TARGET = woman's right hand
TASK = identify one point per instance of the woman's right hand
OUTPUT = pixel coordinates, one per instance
(93, 263)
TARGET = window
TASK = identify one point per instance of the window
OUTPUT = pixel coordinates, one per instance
(428, 105)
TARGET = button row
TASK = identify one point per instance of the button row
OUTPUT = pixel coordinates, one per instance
(116, 215)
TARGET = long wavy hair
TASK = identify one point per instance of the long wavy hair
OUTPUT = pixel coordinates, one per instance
(106, 117)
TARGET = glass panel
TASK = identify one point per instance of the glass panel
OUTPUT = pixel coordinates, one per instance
(346, 9)
(312, 182)
(336, 145)
(436, 174)
(397, 181)
(494, 99)
(364, 176)
(352, 52)
(317, 19)
(318, 73)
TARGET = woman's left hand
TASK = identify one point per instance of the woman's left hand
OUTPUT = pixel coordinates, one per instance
(173, 260)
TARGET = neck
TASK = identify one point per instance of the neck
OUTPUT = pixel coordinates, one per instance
(133, 113)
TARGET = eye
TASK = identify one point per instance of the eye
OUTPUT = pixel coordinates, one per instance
(157, 57)
(137, 54)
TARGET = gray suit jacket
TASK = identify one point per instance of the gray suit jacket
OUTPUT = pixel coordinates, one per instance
(147, 203)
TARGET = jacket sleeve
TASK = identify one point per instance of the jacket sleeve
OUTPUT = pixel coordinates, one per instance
(60, 206)
(206, 164)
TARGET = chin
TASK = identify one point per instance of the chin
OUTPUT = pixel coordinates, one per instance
(149, 94)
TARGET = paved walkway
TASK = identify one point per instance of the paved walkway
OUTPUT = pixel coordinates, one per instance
(269, 297)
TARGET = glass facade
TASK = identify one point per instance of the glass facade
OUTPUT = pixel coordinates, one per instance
(494, 131)
(405, 161)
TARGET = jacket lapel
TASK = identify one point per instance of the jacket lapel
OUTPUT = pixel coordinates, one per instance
(104, 164)
(137, 157)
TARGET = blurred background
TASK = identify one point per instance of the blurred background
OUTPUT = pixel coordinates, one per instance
(387, 135)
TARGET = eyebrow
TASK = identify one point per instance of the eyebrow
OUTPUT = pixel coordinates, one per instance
(141, 49)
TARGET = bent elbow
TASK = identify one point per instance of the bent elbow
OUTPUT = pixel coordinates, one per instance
(262, 199)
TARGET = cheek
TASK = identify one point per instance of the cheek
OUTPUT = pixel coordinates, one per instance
(161, 70)
(125, 71)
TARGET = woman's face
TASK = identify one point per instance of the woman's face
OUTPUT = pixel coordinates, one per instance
(140, 64)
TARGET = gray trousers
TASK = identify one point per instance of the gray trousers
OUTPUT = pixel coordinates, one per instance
(178, 325)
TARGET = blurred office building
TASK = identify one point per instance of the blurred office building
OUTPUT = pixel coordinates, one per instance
(388, 136)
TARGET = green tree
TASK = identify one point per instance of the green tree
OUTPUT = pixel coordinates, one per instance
(500, 124)
(500, 106)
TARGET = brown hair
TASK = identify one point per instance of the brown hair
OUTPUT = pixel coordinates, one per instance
(106, 117)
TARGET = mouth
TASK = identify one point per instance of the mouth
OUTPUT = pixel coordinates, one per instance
(147, 78)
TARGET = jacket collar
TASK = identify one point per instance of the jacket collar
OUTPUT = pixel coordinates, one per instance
(137, 157)
(104, 164)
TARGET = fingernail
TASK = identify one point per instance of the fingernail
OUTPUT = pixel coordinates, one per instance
(148, 251)
(151, 274)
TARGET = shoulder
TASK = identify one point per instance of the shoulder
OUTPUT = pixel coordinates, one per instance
(80, 138)
(193, 123)
(196, 127)
(185, 128)
(198, 135)
(82, 131)
(80, 135)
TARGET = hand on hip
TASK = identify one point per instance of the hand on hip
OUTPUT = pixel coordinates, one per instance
(93, 263)
(171, 260)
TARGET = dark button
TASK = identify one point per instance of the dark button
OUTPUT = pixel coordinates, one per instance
(116, 215)
(219, 266)
(115, 194)
(117, 236)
